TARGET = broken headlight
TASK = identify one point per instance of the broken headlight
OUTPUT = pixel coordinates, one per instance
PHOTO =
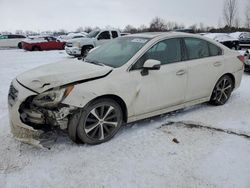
(52, 98)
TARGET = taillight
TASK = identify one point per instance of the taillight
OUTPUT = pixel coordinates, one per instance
(242, 58)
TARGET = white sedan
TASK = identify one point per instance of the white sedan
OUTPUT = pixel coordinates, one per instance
(125, 80)
(11, 41)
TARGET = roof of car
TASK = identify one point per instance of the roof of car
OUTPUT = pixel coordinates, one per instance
(157, 34)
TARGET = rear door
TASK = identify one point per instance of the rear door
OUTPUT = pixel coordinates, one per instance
(3, 40)
(13, 40)
(114, 34)
(49, 44)
(205, 66)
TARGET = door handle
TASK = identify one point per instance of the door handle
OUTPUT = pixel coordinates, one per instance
(217, 64)
(180, 72)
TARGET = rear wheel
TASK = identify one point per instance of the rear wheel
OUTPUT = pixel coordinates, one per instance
(99, 121)
(222, 91)
(19, 45)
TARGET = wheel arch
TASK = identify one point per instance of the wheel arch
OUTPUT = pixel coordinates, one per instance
(19, 45)
(228, 74)
(87, 45)
(117, 99)
(231, 76)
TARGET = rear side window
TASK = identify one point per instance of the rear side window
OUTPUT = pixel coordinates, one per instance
(214, 50)
(196, 48)
(15, 36)
(78, 36)
(3, 37)
(114, 34)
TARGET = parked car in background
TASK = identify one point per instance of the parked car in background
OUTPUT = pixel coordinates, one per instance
(127, 79)
(81, 46)
(244, 39)
(247, 59)
(42, 43)
(11, 41)
(72, 36)
(225, 39)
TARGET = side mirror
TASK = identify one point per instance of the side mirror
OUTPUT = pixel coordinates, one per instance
(150, 64)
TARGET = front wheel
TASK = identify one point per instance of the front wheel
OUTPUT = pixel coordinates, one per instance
(99, 121)
(222, 91)
(85, 50)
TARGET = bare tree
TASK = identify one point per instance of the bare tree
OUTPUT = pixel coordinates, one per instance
(142, 28)
(193, 27)
(130, 29)
(79, 29)
(19, 32)
(247, 14)
(88, 29)
(230, 12)
(157, 24)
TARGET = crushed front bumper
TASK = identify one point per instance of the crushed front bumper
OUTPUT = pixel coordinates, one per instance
(21, 131)
(33, 125)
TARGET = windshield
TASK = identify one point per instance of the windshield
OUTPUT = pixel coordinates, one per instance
(247, 35)
(93, 34)
(117, 52)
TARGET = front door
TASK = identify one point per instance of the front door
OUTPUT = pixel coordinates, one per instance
(103, 37)
(162, 88)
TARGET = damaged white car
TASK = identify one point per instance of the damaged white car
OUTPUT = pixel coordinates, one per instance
(125, 80)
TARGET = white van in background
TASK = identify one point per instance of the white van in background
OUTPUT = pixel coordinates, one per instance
(11, 41)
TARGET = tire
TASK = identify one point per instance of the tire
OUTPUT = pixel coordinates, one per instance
(222, 91)
(36, 48)
(19, 45)
(99, 121)
(85, 50)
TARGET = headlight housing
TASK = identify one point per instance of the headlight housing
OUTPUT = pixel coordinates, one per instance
(52, 98)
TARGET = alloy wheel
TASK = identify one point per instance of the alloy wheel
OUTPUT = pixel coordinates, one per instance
(101, 122)
(222, 91)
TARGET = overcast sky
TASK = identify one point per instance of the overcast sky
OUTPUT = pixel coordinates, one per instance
(40, 15)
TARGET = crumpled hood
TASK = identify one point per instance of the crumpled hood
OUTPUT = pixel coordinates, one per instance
(57, 74)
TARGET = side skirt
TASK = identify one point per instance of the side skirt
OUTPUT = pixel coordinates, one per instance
(166, 110)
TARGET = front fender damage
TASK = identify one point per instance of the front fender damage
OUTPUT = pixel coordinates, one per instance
(44, 125)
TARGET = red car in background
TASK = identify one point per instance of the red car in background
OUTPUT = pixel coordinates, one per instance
(42, 43)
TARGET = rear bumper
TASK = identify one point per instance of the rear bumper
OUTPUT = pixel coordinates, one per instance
(238, 77)
(73, 51)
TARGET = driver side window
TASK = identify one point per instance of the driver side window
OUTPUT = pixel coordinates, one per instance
(167, 51)
(104, 35)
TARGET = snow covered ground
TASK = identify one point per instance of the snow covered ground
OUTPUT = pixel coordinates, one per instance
(141, 155)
